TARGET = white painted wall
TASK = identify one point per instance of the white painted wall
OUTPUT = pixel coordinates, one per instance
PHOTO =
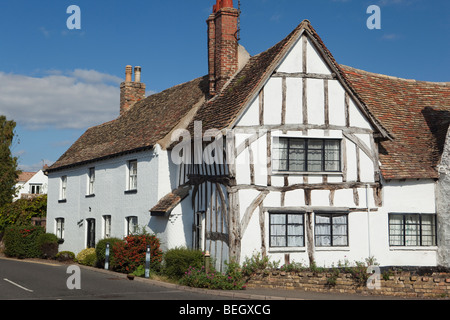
(367, 236)
(155, 179)
(38, 179)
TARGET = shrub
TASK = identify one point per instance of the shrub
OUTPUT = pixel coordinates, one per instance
(128, 255)
(65, 256)
(87, 257)
(178, 260)
(48, 244)
(100, 251)
(258, 264)
(20, 241)
(197, 277)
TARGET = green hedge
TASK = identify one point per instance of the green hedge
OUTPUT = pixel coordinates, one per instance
(100, 250)
(48, 244)
(177, 261)
(21, 241)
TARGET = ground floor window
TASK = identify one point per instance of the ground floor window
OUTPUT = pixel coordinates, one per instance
(60, 228)
(287, 230)
(132, 225)
(331, 230)
(107, 226)
(412, 230)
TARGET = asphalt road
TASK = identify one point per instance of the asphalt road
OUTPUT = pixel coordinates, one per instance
(25, 280)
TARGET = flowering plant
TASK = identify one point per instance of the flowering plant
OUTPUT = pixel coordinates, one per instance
(130, 254)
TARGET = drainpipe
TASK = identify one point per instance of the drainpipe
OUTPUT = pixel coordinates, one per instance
(368, 219)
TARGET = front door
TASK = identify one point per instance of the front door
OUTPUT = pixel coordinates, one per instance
(91, 233)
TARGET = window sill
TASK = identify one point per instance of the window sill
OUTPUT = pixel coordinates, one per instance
(62, 201)
(332, 248)
(413, 248)
(287, 249)
(134, 191)
(319, 173)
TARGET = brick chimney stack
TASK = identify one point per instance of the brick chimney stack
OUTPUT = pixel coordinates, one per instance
(131, 92)
(222, 44)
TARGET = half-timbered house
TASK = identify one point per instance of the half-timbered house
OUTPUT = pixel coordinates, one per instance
(287, 154)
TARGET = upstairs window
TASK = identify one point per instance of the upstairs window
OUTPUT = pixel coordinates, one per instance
(91, 181)
(307, 155)
(132, 175)
(63, 190)
(35, 188)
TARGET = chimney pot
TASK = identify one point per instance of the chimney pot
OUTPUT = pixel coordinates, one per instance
(131, 92)
(128, 72)
(137, 74)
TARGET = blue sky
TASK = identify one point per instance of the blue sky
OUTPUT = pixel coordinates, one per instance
(55, 82)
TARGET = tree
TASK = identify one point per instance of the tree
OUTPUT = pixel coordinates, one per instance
(8, 163)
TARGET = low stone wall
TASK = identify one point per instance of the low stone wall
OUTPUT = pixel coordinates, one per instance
(402, 284)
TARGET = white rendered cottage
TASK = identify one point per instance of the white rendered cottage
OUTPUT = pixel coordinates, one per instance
(286, 154)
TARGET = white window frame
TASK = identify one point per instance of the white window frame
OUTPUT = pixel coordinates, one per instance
(37, 188)
(107, 226)
(132, 224)
(132, 175)
(63, 189)
(91, 181)
(59, 228)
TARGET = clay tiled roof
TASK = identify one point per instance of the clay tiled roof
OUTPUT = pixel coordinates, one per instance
(170, 201)
(25, 176)
(147, 122)
(411, 116)
(417, 113)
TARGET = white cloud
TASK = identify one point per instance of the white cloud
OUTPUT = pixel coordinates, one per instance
(74, 100)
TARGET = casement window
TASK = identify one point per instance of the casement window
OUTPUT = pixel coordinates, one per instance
(307, 155)
(331, 230)
(132, 175)
(407, 230)
(107, 226)
(35, 188)
(60, 228)
(91, 181)
(286, 230)
(132, 225)
(63, 189)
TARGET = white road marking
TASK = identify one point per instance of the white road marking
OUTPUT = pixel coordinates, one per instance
(17, 285)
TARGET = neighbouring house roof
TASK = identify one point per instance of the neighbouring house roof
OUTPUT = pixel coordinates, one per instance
(417, 113)
(140, 128)
(25, 176)
(410, 116)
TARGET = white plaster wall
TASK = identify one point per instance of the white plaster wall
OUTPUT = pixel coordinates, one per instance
(293, 60)
(111, 199)
(410, 196)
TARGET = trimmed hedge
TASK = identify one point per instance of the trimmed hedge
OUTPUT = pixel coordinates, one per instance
(178, 260)
(21, 241)
(100, 250)
(48, 244)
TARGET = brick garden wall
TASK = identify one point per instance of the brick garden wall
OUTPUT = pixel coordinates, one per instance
(407, 284)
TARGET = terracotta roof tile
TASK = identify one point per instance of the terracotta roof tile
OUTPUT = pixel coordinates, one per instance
(139, 128)
(170, 201)
(416, 112)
